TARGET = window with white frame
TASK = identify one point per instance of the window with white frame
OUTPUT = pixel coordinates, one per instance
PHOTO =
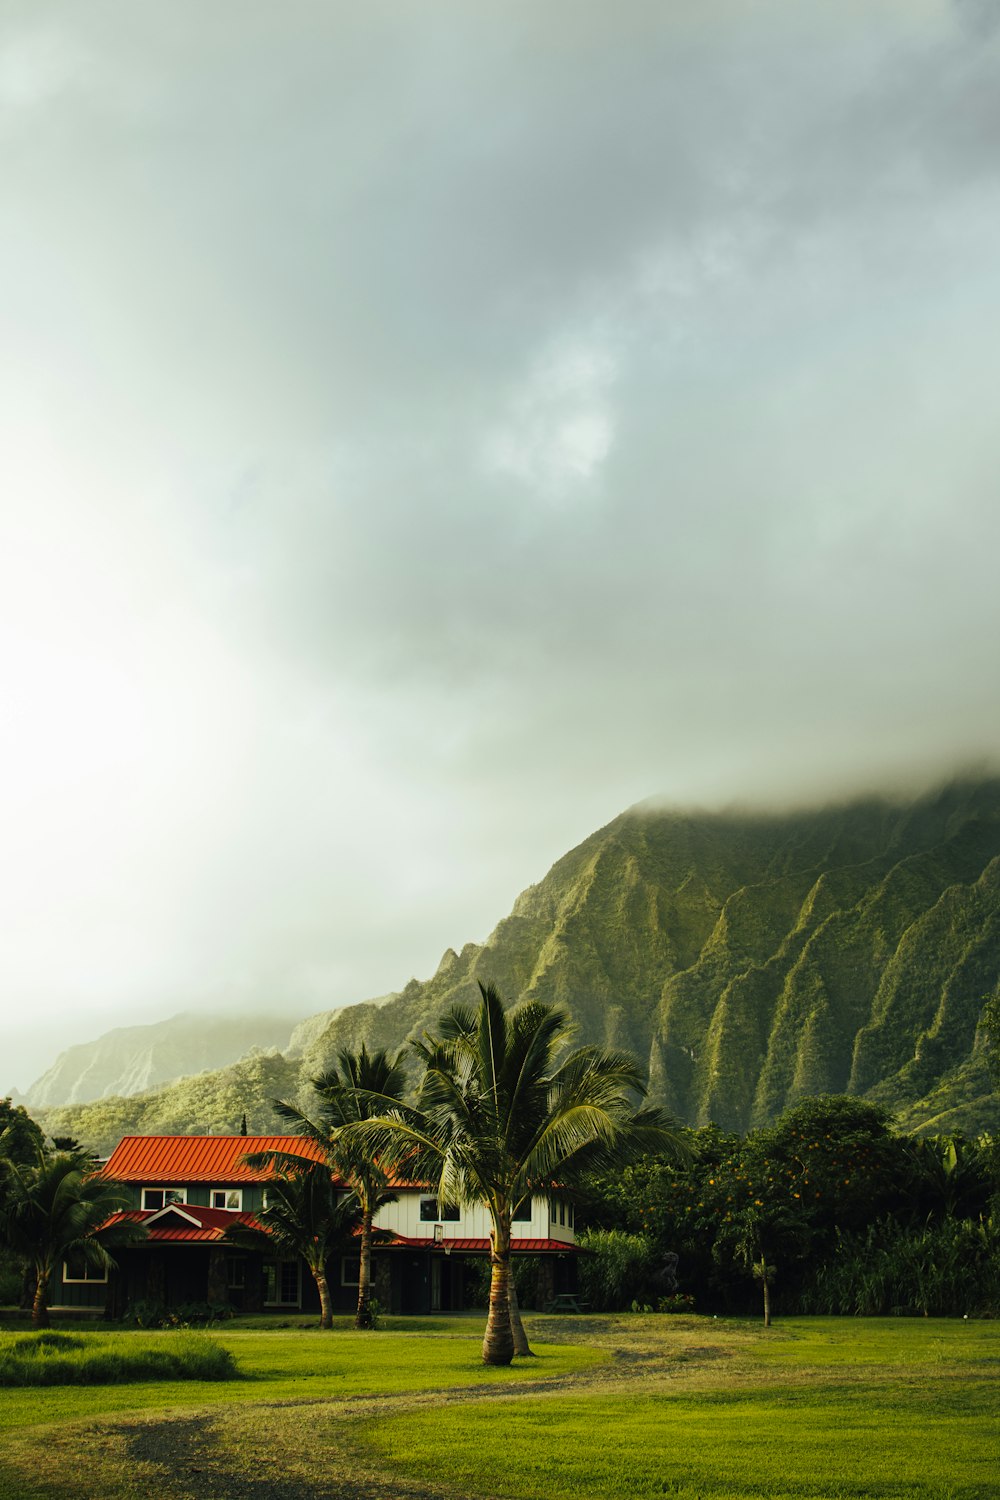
(155, 1198)
(522, 1213)
(350, 1270)
(236, 1273)
(282, 1283)
(231, 1198)
(76, 1270)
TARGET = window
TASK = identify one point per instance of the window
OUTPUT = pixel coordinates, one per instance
(281, 1283)
(226, 1198)
(236, 1273)
(76, 1269)
(445, 1213)
(350, 1270)
(159, 1197)
(553, 1211)
(522, 1213)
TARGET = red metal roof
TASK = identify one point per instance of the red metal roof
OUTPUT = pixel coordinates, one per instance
(176, 1159)
(211, 1223)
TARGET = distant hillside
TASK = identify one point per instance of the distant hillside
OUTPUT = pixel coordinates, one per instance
(133, 1059)
(747, 959)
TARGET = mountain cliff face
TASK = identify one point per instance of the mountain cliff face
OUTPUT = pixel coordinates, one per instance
(753, 959)
(750, 959)
(133, 1059)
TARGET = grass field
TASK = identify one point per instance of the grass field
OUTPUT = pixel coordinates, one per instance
(613, 1407)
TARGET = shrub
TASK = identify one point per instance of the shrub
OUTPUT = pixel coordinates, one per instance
(110, 1359)
(942, 1269)
(617, 1270)
(149, 1314)
(677, 1302)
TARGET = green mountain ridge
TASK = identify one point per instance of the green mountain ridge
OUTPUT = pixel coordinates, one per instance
(748, 958)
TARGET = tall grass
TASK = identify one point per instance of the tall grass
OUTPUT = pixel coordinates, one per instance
(938, 1270)
(618, 1268)
(34, 1359)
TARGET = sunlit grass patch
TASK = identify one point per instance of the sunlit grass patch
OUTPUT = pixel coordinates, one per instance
(46, 1359)
(783, 1445)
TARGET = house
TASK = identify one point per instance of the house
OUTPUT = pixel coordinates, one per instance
(189, 1191)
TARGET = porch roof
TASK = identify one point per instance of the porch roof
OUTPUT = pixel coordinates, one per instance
(164, 1226)
(473, 1246)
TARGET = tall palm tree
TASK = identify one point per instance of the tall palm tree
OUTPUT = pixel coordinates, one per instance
(504, 1110)
(56, 1207)
(360, 1084)
(304, 1217)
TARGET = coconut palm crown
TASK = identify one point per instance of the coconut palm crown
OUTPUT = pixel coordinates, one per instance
(58, 1206)
(346, 1095)
(305, 1216)
(504, 1110)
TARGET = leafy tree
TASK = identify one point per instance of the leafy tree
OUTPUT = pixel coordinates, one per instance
(20, 1137)
(58, 1207)
(360, 1084)
(503, 1110)
(951, 1177)
(304, 1217)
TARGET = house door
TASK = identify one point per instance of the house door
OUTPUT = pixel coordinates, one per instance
(436, 1270)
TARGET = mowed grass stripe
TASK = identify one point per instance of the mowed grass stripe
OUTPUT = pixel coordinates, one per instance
(788, 1444)
(282, 1365)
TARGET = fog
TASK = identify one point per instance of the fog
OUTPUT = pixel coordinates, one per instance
(429, 431)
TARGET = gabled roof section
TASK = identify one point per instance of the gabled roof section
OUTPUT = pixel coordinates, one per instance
(183, 1224)
(173, 1160)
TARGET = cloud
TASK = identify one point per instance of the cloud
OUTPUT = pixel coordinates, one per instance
(426, 435)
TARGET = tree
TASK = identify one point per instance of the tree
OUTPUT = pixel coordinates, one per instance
(20, 1137)
(360, 1084)
(58, 1207)
(303, 1217)
(504, 1111)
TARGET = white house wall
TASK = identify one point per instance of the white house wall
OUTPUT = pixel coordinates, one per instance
(403, 1217)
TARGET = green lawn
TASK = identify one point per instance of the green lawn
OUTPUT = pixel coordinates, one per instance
(624, 1406)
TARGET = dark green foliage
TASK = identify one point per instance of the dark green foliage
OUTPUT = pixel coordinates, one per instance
(802, 1197)
(58, 1207)
(617, 1269)
(20, 1137)
(946, 1269)
(150, 1314)
(94, 1359)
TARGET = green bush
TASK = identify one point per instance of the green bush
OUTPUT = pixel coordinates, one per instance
(110, 1359)
(149, 1314)
(617, 1270)
(945, 1269)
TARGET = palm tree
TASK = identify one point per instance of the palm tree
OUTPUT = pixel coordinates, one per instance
(360, 1084)
(57, 1207)
(502, 1113)
(303, 1217)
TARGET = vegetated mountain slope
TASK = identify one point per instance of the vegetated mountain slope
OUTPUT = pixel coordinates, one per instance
(132, 1059)
(750, 959)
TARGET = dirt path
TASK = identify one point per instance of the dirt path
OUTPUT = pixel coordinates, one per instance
(186, 1451)
(196, 1457)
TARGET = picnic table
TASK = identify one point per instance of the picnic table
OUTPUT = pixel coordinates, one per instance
(566, 1302)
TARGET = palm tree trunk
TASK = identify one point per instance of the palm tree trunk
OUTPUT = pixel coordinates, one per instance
(521, 1345)
(40, 1305)
(767, 1299)
(498, 1341)
(363, 1319)
(325, 1305)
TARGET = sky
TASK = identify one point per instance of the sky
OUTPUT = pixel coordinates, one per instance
(427, 430)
